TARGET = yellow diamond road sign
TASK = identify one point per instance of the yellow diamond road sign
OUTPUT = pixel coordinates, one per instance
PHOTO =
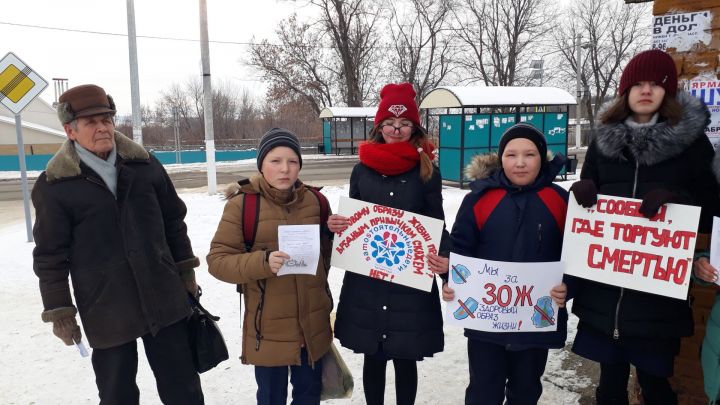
(19, 84)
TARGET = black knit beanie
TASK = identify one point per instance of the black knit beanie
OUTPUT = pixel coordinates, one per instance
(524, 131)
(274, 138)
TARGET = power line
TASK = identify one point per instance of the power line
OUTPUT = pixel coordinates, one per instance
(116, 34)
(119, 34)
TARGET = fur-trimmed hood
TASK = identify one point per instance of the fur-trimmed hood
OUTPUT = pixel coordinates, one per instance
(655, 143)
(66, 162)
(245, 186)
(485, 171)
(482, 166)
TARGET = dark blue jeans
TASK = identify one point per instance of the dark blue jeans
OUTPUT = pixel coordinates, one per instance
(273, 383)
(497, 373)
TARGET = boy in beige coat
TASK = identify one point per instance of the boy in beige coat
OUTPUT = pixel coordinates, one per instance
(287, 318)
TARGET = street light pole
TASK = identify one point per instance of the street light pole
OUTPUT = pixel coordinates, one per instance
(134, 77)
(578, 139)
(539, 64)
(207, 100)
(176, 134)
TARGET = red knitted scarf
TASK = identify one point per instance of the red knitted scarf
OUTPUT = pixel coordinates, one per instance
(392, 158)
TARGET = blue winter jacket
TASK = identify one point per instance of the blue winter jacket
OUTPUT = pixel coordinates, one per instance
(711, 354)
(503, 222)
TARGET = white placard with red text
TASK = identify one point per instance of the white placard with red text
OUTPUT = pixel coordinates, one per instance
(612, 243)
(495, 296)
(386, 243)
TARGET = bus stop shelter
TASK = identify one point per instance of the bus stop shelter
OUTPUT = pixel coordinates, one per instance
(345, 127)
(472, 119)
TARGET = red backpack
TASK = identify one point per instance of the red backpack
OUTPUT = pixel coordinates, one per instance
(251, 213)
(250, 216)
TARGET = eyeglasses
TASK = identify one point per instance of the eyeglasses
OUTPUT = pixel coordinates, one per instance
(389, 129)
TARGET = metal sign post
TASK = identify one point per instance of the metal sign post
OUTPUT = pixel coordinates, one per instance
(23, 177)
(19, 85)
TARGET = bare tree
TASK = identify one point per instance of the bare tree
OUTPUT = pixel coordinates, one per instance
(422, 44)
(296, 116)
(612, 32)
(175, 99)
(297, 66)
(351, 25)
(499, 34)
(329, 59)
(247, 122)
(230, 105)
(194, 93)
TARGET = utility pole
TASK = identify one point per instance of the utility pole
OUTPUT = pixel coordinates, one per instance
(176, 133)
(207, 100)
(578, 97)
(134, 80)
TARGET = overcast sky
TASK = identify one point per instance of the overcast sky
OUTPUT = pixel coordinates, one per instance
(86, 57)
(103, 59)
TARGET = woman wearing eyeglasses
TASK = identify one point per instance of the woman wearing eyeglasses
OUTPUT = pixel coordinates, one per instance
(382, 320)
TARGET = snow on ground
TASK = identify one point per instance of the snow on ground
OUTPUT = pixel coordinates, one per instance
(36, 368)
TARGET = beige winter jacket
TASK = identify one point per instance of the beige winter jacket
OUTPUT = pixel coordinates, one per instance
(282, 314)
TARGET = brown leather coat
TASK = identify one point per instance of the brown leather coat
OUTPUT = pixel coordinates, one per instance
(281, 313)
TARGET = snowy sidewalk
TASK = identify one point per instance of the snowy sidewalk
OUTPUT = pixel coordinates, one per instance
(36, 368)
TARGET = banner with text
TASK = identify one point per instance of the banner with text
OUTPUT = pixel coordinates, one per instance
(495, 296)
(387, 243)
(612, 243)
(707, 89)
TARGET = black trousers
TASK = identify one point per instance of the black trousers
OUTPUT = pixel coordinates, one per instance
(170, 360)
(374, 368)
(497, 374)
(612, 389)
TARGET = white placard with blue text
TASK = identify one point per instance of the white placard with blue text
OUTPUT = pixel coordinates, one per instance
(495, 296)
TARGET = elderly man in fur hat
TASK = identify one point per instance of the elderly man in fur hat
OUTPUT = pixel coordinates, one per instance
(108, 216)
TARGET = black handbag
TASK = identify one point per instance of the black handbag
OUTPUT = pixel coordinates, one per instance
(206, 341)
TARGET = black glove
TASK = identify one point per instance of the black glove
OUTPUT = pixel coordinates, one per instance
(585, 192)
(656, 199)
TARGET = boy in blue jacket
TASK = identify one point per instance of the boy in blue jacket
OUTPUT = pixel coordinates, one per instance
(514, 213)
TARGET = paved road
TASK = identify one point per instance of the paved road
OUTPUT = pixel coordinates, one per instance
(320, 172)
(10, 190)
(315, 172)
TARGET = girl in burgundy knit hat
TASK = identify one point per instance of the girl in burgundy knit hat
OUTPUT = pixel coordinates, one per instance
(381, 320)
(649, 144)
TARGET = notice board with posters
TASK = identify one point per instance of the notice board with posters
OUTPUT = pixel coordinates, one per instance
(681, 31)
(707, 89)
